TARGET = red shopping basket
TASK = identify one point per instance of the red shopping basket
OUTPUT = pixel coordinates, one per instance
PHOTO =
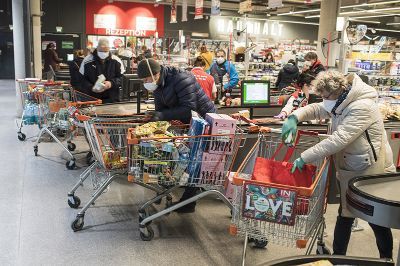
(269, 170)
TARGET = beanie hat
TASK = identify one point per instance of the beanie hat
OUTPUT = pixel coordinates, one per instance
(143, 69)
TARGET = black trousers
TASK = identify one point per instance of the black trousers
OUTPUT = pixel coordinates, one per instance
(383, 236)
(188, 193)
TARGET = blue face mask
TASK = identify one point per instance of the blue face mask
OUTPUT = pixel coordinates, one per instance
(329, 104)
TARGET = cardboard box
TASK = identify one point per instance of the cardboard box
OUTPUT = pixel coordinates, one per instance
(221, 124)
(212, 168)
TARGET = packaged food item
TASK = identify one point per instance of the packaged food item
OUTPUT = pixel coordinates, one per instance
(212, 168)
(111, 158)
(221, 124)
(159, 127)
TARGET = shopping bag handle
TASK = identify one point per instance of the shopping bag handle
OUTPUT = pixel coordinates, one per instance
(290, 150)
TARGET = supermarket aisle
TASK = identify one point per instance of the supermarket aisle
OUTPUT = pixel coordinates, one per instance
(35, 217)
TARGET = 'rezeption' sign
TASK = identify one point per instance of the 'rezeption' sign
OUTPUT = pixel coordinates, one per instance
(125, 32)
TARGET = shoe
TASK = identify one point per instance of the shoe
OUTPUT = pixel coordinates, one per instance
(189, 208)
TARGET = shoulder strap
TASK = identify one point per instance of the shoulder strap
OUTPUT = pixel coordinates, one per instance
(372, 146)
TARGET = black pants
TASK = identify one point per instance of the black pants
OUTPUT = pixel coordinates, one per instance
(188, 193)
(383, 236)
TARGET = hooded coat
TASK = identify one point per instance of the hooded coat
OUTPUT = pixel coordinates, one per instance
(287, 75)
(358, 139)
(178, 94)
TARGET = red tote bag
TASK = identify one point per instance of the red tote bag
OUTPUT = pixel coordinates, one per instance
(268, 170)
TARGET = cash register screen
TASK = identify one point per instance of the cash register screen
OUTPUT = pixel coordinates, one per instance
(255, 92)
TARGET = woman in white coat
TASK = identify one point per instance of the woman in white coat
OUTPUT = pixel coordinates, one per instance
(358, 143)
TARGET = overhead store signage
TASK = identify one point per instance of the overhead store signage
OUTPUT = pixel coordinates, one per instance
(146, 23)
(254, 27)
(198, 12)
(102, 21)
(215, 7)
(245, 6)
(126, 32)
(274, 3)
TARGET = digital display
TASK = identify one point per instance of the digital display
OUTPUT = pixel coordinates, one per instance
(255, 92)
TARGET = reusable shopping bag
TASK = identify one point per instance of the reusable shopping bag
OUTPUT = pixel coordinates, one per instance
(269, 170)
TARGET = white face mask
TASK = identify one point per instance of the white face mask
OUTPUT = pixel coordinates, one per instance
(329, 104)
(220, 60)
(150, 86)
(103, 55)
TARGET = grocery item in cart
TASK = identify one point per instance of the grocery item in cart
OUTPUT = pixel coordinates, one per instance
(151, 128)
(197, 145)
(221, 124)
(212, 168)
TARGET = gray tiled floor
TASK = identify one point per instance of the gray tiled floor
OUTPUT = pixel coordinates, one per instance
(35, 218)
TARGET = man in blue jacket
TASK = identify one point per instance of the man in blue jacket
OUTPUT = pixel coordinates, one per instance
(223, 67)
(176, 94)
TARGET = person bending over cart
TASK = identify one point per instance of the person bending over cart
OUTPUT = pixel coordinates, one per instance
(176, 94)
(358, 142)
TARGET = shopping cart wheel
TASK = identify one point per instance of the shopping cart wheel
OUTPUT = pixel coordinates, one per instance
(21, 136)
(77, 224)
(146, 233)
(71, 146)
(322, 249)
(70, 164)
(74, 201)
(35, 150)
(260, 243)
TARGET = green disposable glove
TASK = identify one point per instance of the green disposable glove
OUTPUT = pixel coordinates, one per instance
(289, 130)
(298, 164)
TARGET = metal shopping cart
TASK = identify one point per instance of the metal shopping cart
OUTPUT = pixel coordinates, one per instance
(30, 90)
(108, 144)
(182, 160)
(276, 213)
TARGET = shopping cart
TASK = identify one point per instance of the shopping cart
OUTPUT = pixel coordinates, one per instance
(30, 90)
(254, 216)
(108, 144)
(182, 160)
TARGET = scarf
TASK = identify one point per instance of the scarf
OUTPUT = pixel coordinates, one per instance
(341, 99)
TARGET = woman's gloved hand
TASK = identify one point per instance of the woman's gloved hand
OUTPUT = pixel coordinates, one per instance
(281, 116)
(152, 116)
(298, 164)
(289, 130)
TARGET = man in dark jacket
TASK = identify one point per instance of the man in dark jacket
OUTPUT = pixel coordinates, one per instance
(101, 61)
(74, 65)
(176, 94)
(287, 75)
(312, 64)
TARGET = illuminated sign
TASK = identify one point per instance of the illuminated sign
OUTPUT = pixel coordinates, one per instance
(126, 32)
(104, 21)
(146, 23)
(255, 27)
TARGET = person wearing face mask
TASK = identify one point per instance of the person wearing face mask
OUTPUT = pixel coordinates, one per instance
(299, 98)
(176, 94)
(312, 65)
(205, 80)
(358, 144)
(223, 67)
(102, 62)
(50, 59)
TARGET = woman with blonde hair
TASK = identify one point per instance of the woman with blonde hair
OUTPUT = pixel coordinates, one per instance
(358, 143)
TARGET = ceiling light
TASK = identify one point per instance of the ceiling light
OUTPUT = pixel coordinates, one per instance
(387, 30)
(376, 16)
(295, 22)
(372, 4)
(313, 16)
(300, 12)
(393, 23)
(364, 21)
(370, 10)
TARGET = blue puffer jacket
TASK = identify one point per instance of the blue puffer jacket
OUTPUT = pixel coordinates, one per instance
(178, 94)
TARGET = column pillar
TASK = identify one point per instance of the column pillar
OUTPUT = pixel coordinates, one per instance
(19, 47)
(36, 38)
(327, 29)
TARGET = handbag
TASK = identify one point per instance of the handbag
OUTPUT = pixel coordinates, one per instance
(271, 171)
